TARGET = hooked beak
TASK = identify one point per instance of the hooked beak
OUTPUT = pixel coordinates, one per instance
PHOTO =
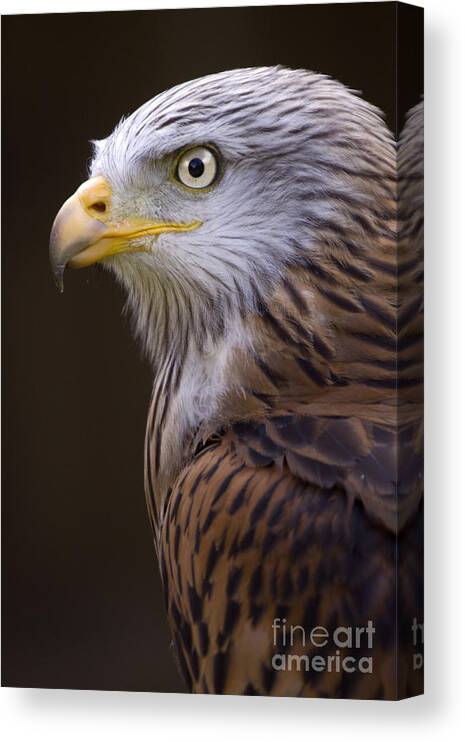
(84, 231)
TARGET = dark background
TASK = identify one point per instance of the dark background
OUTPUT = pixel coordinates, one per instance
(81, 597)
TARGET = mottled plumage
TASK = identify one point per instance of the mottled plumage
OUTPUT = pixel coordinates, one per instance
(284, 438)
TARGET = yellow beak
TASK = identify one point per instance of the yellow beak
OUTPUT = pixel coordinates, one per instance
(84, 232)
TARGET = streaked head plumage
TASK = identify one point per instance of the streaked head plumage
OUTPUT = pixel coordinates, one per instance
(285, 143)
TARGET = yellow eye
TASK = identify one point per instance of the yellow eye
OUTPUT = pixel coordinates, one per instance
(197, 168)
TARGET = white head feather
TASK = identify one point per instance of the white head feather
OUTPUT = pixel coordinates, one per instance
(282, 136)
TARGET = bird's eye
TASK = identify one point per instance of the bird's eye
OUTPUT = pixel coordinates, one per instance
(197, 168)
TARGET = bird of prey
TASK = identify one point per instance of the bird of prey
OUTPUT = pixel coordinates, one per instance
(258, 220)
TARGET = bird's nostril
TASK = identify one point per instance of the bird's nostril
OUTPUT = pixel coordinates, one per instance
(99, 206)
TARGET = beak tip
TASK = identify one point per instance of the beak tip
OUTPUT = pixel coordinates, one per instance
(58, 278)
(57, 263)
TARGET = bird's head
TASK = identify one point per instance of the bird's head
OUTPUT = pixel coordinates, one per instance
(201, 199)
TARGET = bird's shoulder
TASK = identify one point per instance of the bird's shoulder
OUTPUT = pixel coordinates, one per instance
(358, 453)
(370, 453)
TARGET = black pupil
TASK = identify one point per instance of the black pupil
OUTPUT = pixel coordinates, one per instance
(196, 167)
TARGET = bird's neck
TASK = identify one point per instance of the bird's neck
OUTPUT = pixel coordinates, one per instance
(313, 341)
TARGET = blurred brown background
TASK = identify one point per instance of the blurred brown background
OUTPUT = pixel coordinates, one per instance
(82, 606)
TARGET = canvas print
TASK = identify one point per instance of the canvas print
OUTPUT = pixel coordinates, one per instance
(253, 229)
